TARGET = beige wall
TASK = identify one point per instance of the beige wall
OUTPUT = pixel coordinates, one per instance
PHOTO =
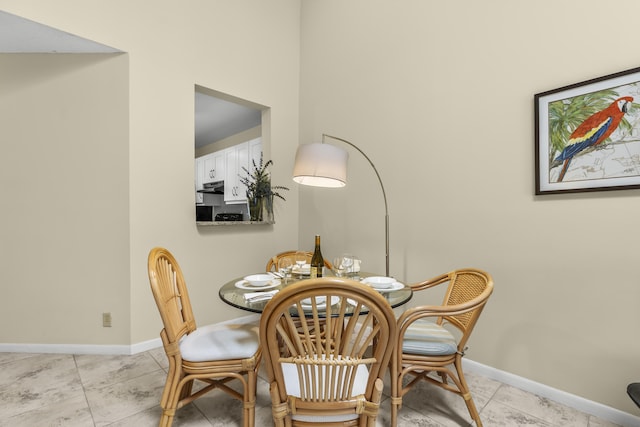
(65, 197)
(57, 292)
(440, 96)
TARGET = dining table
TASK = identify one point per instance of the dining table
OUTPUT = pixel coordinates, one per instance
(241, 294)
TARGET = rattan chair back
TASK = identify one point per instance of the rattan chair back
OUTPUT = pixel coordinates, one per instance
(272, 264)
(331, 377)
(170, 292)
(468, 291)
(172, 298)
(466, 296)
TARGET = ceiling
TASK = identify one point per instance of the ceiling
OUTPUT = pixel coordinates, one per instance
(215, 118)
(20, 35)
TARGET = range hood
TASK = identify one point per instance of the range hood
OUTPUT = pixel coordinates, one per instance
(213, 187)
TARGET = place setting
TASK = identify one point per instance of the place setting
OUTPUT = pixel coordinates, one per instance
(382, 283)
(260, 284)
(258, 281)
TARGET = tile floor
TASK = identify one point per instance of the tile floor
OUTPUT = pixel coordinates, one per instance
(87, 390)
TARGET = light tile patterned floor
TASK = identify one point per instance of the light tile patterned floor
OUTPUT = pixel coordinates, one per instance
(116, 391)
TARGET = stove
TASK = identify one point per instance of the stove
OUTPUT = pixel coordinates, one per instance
(228, 217)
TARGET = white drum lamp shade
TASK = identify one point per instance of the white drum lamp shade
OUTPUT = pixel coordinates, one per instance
(321, 165)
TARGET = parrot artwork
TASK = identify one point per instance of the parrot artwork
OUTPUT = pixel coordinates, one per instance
(593, 131)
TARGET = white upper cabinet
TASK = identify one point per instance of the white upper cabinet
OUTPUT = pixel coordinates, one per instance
(214, 167)
(199, 178)
(255, 151)
(236, 158)
(209, 168)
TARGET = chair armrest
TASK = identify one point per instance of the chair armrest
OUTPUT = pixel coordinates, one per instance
(439, 311)
(429, 283)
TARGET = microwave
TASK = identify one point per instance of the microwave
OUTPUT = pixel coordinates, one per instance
(204, 213)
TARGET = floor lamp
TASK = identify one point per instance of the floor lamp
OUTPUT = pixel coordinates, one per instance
(325, 165)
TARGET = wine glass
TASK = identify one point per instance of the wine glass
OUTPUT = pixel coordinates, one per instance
(338, 266)
(347, 263)
(285, 264)
(300, 258)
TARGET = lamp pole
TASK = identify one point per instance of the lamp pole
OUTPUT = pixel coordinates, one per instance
(384, 195)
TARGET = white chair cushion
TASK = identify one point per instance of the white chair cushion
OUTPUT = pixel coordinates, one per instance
(292, 385)
(231, 339)
(429, 339)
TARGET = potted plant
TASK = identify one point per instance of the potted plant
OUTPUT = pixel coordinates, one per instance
(260, 192)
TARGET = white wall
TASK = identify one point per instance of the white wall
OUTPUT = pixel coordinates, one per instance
(440, 96)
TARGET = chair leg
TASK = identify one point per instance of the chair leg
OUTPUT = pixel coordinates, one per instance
(250, 398)
(166, 420)
(396, 389)
(170, 410)
(175, 394)
(169, 400)
(472, 410)
(172, 379)
(376, 397)
(395, 407)
(278, 409)
(466, 395)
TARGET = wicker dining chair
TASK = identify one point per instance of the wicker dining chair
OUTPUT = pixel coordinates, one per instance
(425, 343)
(214, 354)
(272, 264)
(332, 379)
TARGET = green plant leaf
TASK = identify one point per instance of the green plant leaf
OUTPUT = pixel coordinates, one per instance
(258, 181)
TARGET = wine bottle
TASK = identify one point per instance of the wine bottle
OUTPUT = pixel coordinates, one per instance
(317, 262)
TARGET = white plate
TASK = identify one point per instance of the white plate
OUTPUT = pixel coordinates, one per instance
(243, 284)
(379, 282)
(323, 305)
(304, 271)
(319, 300)
(394, 287)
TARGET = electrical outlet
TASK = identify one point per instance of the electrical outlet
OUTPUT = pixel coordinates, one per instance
(106, 320)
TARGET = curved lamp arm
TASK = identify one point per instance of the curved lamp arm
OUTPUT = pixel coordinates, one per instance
(384, 195)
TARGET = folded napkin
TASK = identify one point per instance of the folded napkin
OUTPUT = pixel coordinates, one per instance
(259, 296)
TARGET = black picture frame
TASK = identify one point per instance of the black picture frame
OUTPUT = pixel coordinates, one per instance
(583, 129)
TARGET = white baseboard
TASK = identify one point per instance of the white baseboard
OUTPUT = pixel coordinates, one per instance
(65, 348)
(581, 404)
(81, 348)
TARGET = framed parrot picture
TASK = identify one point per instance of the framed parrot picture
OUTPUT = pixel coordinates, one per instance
(587, 135)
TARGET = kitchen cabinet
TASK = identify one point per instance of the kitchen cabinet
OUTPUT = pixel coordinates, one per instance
(208, 168)
(255, 152)
(236, 158)
(198, 179)
(214, 166)
(228, 165)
